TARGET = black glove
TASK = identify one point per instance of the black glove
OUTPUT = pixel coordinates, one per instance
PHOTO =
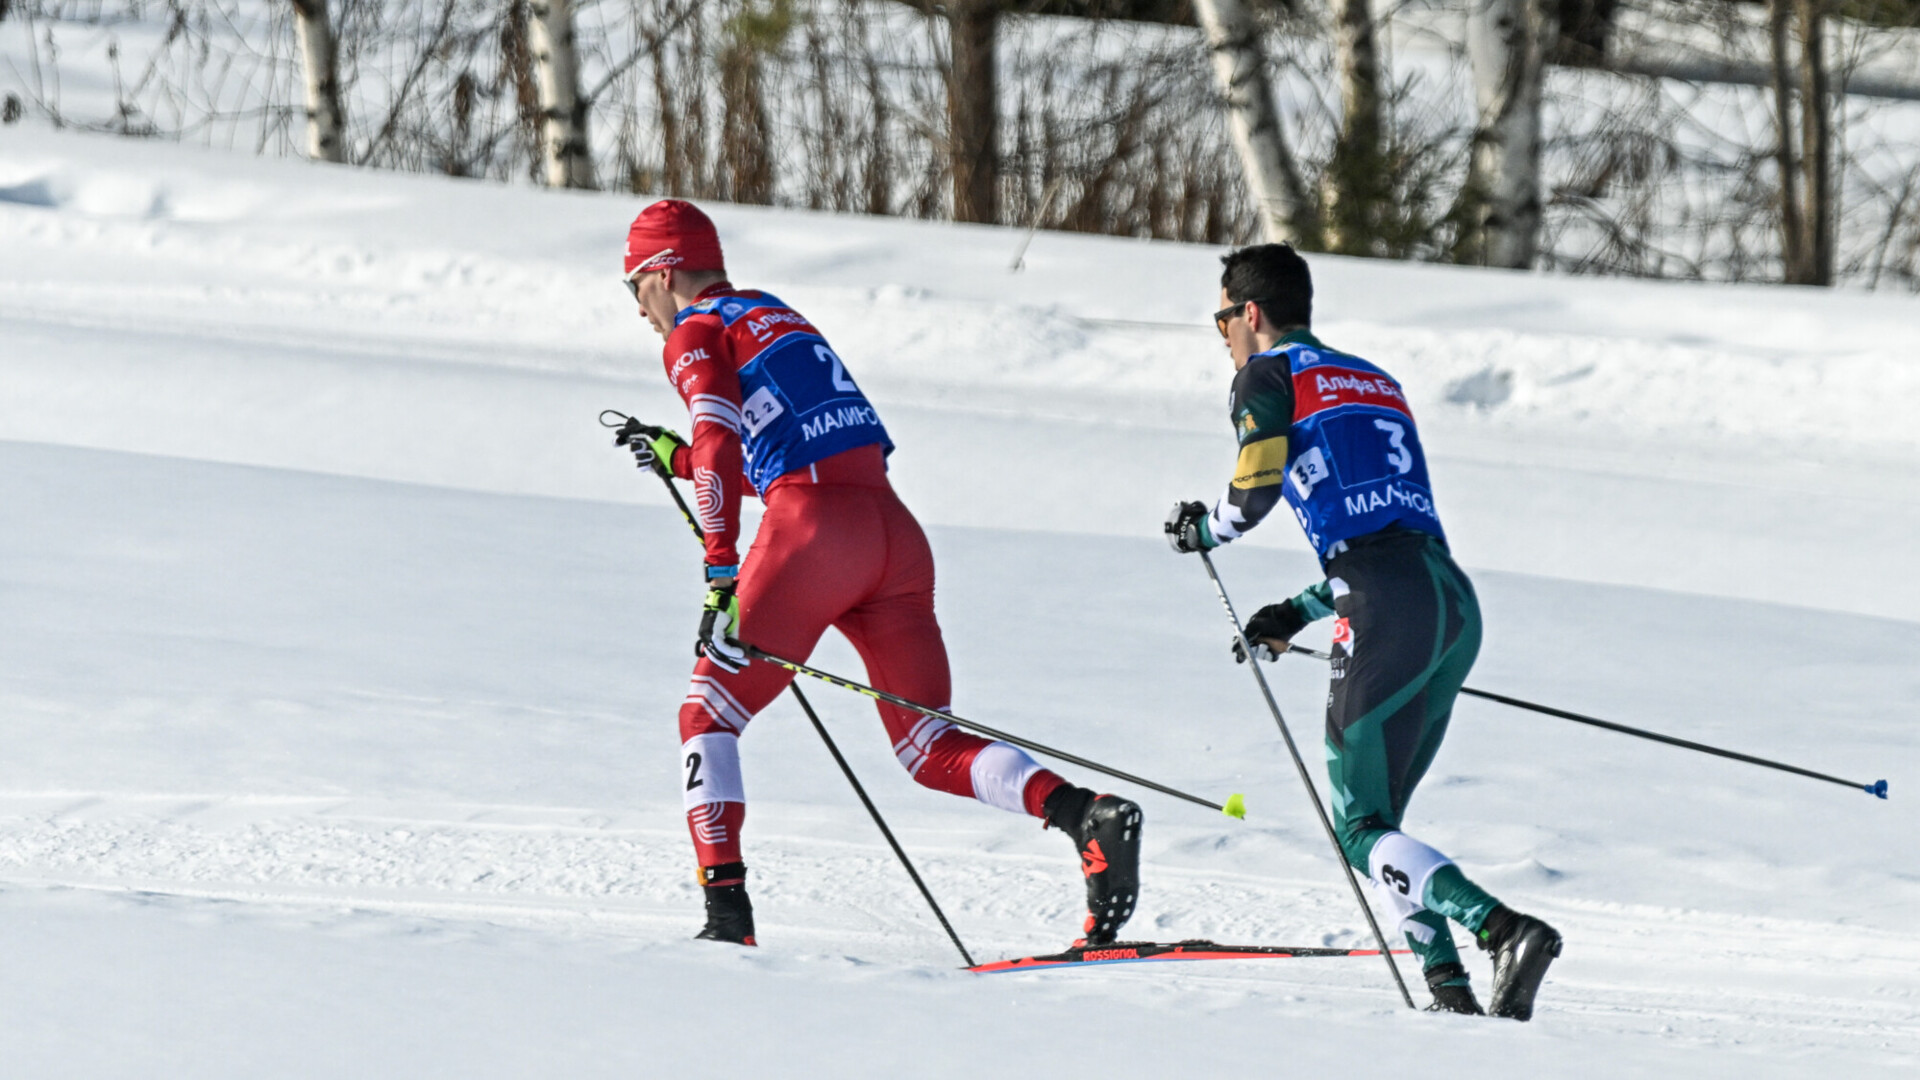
(1187, 528)
(719, 621)
(1276, 621)
(653, 447)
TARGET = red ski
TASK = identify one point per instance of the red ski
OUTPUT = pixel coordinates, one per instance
(1134, 952)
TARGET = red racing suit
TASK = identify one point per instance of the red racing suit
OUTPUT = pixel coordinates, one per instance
(836, 548)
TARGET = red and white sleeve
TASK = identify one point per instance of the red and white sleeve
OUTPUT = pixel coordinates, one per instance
(701, 369)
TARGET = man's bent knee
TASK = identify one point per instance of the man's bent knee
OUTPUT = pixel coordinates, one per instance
(710, 706)
(1357, 838)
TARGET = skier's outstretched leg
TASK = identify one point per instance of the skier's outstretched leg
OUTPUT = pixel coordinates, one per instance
(1396, 674)
(1423, 888)
(899, 641)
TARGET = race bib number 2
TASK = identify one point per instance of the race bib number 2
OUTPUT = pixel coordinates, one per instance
(760, 410)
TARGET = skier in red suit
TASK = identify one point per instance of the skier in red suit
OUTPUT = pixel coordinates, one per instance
(773, 412)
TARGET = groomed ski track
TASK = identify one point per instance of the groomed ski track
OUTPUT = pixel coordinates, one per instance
(540, 879)
(341, 653)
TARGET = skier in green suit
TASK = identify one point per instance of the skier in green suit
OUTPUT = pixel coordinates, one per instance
(1333, 436)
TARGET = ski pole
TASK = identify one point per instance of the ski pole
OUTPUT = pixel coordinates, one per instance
(1878, 787)
(1313, 793)
(832, 748)
(685, 510)
(1236, 805)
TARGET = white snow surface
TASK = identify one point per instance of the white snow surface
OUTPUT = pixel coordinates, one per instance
(340, 653)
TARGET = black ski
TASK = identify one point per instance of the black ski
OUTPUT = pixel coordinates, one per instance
(1135, 952)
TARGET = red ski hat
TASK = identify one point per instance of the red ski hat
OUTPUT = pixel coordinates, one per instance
(673, 233)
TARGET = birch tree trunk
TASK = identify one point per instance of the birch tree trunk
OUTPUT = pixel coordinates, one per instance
(1793, 257)
(1286, 210)
(973, 110)
(1357, 185)
(1507, 41)
(563, 135)
(324, 120)
(1816, 145)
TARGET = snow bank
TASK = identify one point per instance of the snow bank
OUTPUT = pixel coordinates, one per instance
(340, 663)
(438, 331)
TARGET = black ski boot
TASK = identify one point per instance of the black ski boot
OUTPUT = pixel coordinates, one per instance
(1448, 982)
(1106, 832)
(1522, 947)
(729, 912)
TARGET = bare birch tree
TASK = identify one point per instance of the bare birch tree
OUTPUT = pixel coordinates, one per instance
(1507, 42)
(1287, 211)
(324, 119)
(563, 135)
(1357, 181)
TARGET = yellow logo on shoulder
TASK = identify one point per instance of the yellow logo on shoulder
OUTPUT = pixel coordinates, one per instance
(1261, 463)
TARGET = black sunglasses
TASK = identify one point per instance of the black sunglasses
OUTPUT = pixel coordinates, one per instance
(1227, 314)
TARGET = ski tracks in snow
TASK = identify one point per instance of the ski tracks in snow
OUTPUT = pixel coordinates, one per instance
(629, 871)
(1696, 978)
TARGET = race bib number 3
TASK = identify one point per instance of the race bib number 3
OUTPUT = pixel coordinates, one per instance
(760, 410)
(1309, 469)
